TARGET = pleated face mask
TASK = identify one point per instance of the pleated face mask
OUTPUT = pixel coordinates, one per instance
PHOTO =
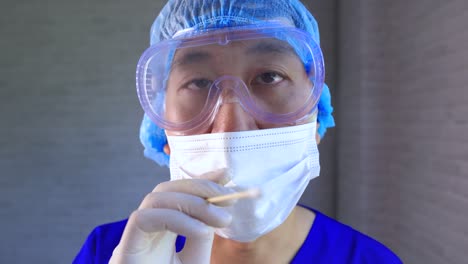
(280, 162)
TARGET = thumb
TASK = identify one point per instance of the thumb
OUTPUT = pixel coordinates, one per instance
(197, 250)
(162, 250)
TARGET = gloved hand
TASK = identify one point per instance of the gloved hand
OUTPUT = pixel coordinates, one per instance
(174, 207)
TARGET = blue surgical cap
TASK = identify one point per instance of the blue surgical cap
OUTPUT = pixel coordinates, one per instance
(177, 15)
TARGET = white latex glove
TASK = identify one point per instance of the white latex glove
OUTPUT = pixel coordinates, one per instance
(174, 207)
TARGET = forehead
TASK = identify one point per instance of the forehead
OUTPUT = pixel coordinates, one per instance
(267, 48)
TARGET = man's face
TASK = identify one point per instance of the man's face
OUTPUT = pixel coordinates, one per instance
(268, 70)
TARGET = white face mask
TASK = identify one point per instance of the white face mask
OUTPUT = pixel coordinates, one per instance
(279, 161)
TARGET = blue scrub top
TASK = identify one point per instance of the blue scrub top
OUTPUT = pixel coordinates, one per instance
(328, 241)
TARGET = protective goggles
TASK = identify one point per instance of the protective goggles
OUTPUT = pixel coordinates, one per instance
(275, 72)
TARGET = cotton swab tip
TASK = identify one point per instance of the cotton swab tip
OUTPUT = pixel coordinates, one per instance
(250, 193)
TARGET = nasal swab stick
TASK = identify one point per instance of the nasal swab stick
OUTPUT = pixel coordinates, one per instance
(251, 193)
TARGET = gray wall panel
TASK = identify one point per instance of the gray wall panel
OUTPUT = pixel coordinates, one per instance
(70, 158)
(395, 167)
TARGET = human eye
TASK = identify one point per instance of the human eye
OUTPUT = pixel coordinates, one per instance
(268, 78)
(198, 84)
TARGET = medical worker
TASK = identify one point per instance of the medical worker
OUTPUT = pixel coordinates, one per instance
(235, 101)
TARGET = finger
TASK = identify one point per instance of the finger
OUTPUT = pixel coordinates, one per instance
(219, 176)
(197, 250)
(198, 187)
(190, 205)
(156, 230)
(155, 220)
(160, 249)
(138, 235)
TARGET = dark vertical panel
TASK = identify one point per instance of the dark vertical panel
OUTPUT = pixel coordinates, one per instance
(320, 193)
(413, 124)
(350, 187)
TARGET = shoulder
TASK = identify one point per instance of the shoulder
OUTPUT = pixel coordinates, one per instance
(114, 229)
(101, 242)
(330, 241)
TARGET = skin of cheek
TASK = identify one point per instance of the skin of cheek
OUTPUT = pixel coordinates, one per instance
(317, 136)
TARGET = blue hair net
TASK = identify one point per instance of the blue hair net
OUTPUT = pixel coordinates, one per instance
(325, 109)
(202, 14)
(153, 139)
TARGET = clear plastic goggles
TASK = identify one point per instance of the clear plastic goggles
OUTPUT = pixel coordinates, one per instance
(275, 72)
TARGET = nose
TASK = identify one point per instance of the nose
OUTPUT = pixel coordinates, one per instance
(231, 117)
